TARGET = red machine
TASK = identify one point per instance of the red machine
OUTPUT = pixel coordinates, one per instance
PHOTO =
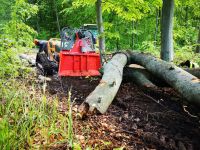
(78, 56)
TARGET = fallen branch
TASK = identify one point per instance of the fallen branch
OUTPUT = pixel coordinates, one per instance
(184, 108)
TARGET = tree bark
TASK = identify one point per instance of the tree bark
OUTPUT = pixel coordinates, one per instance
(167, 50)
(139, 76)
(185, 83)
(198, 42)
(194, 72)
(31, 59)
(132, 36)
(117, 44)
(142, 77)
(100, 25)
(156, 29)
(186, 16)
(104, 93)
(57, 18)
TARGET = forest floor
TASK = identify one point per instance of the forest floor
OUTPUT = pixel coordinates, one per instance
(138, 118)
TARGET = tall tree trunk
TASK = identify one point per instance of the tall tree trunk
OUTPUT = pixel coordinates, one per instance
(167, 50)
(198, 42)
(186, 16)
(57, 18)
(136, 36)
(133, 40)
(100, 25)
(156, 29)
(117, 44)
(37, 24)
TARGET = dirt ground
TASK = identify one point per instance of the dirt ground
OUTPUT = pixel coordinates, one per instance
(138, 118)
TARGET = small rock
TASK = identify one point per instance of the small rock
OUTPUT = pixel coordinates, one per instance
(118, 135)
(181, 146)
(172, 144)
(126, 116)
(75, 108)
(104, 119)
(112, 130)
(162, 139)
(120, 119)
(81, 138)
(43, 78)
(137, 119)
(134, 126)
(104, 125)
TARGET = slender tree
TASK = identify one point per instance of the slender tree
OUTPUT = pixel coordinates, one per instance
(133, 40)
(198, 42)
(157, 24)
(186, 15)
(167, 50)
(57, 19)
(100, 25)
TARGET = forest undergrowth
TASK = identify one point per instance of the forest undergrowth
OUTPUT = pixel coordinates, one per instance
(30, 118)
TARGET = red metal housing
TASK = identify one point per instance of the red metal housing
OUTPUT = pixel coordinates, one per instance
(79, 64)
(74, 62)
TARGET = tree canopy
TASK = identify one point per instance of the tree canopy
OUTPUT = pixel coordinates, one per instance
(128, 24)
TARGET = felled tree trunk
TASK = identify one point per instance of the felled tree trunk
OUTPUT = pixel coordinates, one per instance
(185, 83)
(105, 92)
(195, 72)
(31, 59)
(140, 76)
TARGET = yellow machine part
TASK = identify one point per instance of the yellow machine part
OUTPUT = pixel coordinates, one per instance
(51, 45)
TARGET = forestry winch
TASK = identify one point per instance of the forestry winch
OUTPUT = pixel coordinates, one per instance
(77, 54)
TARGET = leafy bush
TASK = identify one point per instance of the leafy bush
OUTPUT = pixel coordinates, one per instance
(43, 35)
(186, 53)
(9, 63)
(16, 32)
(150, 47)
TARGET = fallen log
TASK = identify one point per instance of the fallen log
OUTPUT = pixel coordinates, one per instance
(194, 71)
(140, 76)
(31, 59)
(104, 93)
(185, 83)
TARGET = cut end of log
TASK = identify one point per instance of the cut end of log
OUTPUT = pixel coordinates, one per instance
(85, 109)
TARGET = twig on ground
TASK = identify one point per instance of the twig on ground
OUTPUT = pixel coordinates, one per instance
(153, 100)
(184, 108)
